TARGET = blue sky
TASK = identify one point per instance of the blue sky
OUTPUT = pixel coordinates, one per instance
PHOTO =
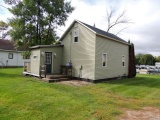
(4, 13)
(145, 15)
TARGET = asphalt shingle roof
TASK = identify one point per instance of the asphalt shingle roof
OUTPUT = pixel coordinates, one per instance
(104, 33)
(9, 45)
(6, 45)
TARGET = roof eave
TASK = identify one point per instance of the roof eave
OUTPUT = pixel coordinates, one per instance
(86, 26)
(11, 50)
(72, 26)
(67, 30)
(45, 46)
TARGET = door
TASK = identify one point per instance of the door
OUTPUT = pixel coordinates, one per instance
(48, 62)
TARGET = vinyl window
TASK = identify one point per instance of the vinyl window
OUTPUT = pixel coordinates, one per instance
(123, 61)
(10, 56)
(75, 35)
(104, 60)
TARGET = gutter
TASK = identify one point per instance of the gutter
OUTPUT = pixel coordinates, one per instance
(11, 50)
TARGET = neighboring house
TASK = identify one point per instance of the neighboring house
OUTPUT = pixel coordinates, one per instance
(93, 53)
(9, 56)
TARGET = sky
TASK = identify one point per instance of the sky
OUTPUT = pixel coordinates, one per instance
(143, 32)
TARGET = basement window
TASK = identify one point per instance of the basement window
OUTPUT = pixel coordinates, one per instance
(10, 56)
(75, 35)
(104, 60)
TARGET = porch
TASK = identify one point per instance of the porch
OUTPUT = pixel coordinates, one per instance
(64, 74)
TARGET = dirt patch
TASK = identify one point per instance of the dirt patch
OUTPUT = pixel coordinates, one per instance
(75, 83)
(147, 113)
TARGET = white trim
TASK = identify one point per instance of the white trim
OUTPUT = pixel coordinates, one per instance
(10, 55)
(105, 59)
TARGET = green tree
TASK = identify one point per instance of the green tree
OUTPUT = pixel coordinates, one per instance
(157, 59)
(3, 29)
(35, 21)
(147, 59)
(138, 58)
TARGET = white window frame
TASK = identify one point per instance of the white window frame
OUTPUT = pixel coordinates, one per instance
(123, 60)
(10, 55)
(103, 59)
(76, 34)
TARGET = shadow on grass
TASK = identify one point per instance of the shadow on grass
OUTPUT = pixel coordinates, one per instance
(146, 81)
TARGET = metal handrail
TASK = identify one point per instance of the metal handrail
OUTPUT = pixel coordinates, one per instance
(2, 64)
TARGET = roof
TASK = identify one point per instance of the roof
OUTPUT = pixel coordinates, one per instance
(9, 45)
(6, 45)
(97, 31)
(104, 33)
(46, 46)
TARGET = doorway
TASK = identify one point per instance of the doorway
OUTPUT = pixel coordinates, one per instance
(48, 62)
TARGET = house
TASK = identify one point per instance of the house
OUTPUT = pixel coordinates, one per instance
(93, 54)
(9, 56)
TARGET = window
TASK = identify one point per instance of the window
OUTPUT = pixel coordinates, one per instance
(76, 35)
(48, 58)
(10, 56)
(104, 60)
(123, 61)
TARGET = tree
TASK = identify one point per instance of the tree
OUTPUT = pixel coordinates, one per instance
(3, 29)
(35, 21)
(147, 59)
(113, 20)
(132, 67)
(157, 59)
(138, 58)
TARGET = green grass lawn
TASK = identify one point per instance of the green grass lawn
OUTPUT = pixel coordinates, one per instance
(24, 98)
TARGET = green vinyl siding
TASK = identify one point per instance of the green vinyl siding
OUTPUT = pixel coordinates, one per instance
(115, 51)
(56, 58)
(81, 53)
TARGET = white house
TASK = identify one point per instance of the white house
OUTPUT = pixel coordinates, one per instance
(9, 56)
